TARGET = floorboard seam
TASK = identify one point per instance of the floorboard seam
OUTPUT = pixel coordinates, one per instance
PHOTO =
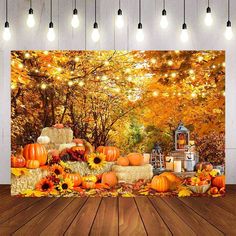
(203, 217)
(160, 216)
(75, 216)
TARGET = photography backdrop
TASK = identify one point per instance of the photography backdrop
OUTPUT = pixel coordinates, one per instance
(200, 38)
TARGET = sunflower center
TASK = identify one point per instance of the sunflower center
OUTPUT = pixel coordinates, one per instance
(45, 186)
(64, 186)
(57, 171)
(97, 160)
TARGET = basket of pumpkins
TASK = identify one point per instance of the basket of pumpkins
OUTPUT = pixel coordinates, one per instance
(131, 168)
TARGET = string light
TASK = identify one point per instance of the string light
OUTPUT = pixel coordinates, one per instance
(164, 21)
(81, 83)
(170, 63)
(70, 83)
(51, 34)
(75, 18)
(139, 34)
(95, 33)
(6, 31)
(228, 30)
(43, 86)
(27, 55)
(119, 18)
(208, 18)
(30, 19)
(155, 93)
(184, 33)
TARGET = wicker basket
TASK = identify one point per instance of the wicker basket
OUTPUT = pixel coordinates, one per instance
(199, 189)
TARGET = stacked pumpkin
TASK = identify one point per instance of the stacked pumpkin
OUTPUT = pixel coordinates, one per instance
(131, 168)
(165, 182)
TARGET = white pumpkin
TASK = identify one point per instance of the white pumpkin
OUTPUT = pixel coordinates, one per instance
(43, 140)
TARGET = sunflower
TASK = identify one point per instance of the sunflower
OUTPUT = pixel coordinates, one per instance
(45, 185)
(57, 169)
(66, 185)
(96, 160)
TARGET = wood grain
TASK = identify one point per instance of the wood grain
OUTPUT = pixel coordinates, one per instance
(130, 222)
(106, 221)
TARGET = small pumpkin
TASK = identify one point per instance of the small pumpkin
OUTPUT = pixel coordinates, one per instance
(109, 178)
(135, 159)
(219, 181)
(32, 164)
(90, 178)
(80, 148)
(58, 126)
(173, 179)
(43, 139)
(112, 153)
(76, 178)
(214, 190)
(35, 151)
(18, 161)
(123, 161)
(88, 184)
(160, 183)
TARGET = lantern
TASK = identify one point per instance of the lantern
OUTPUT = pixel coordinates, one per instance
(157, 159)
(181, 137)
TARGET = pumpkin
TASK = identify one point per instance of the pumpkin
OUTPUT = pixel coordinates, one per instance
(32, 164)
(80, 148)
(207, 166)
(76, 178)
(122, 161)
(135, 159)
(35, 151)
(214, 190)
(18, 161)
(43, 139)
(219, 181)
(90, 178)
(88, 184)
(222, 190)
(160, 183)
(112, 153)
(58, 126)
(109, 178)
(173, 179)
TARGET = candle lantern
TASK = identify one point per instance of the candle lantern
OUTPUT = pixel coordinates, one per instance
(157, 159)
(181, 137)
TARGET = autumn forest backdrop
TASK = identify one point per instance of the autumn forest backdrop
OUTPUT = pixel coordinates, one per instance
(130, 99)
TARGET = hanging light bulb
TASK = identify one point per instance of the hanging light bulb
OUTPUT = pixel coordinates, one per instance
(139, 33)
(95, 34)
(6, 32)
(51, 33)
(119, 18)
(75, 18)
(164, 21)
(30, 19)
(184, 33)
(228, 30)
(208, 18)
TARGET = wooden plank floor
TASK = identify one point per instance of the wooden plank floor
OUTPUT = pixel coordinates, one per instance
(117, 216)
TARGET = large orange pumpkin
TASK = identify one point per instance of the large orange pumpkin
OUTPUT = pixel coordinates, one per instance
(173, 179)
(135, 159)
(219, 181)
(109, 178)
(122, 161)
(76, 178)
(160, 183)
(32, 164)
(112, 153)
(35, 151)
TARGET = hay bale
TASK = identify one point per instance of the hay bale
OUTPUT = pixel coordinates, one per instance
(27, 181)
(83, 168)
(58, 136)
(131, 174)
